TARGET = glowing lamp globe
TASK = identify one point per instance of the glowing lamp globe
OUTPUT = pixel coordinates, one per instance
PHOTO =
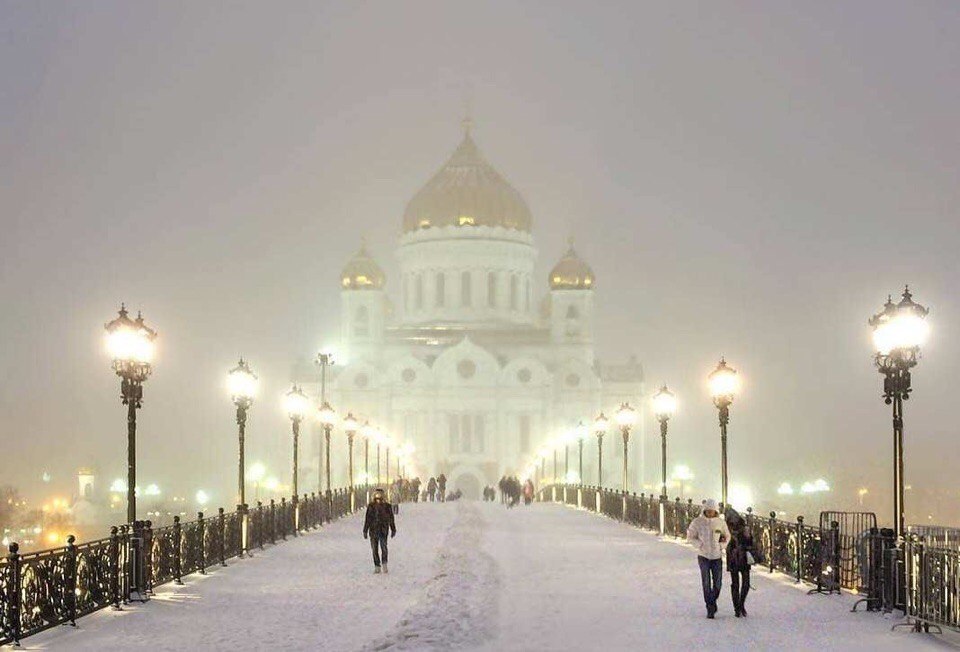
(350, 423)
(327, 415)
(130, 343)
(581, 431)
(601, 424)
(626, 416)
(296, 403)
(724, 382)
(900, 328)
(242, 382)
(664, 403)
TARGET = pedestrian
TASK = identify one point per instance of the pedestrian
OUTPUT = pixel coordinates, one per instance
(377, 524)
(708, 533)
(741, 554)
(442, 486)
(432, 488)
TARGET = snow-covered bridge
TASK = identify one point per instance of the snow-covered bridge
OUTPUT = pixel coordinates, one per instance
(472, 575)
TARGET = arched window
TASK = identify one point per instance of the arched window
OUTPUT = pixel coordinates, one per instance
(492, 289)
(418, 292)
(361, 322)
(466, 290)
(441, 289)
(514, 291)
(526, 294)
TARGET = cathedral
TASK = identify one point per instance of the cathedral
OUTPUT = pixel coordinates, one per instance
(474, 360)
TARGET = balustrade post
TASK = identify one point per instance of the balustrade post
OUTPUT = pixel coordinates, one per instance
(283, 518)
(147, 557)
(70, 580)
(177, 554)
(836, 576)
(260, 524)
(772, 529)
(115, 568)
(678, 522)
(273, 521)
(222, 526)
(14, 593)
(799, 561)
(201, 528)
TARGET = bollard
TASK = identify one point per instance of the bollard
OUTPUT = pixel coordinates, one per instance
(799, 560)
(772, 530)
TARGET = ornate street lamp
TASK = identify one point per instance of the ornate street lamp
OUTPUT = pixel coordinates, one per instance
(626, 417)
(368, 432)
(323, 360)
(242, 383)
(580, 432)
(350, 426)
(297, 405)
(327, 417)
(664, 405)
(899, 330)
(724, 385)
(600, 426)
(130, 343)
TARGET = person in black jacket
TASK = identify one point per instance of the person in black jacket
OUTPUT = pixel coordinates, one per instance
(377, 524)
(741, 552)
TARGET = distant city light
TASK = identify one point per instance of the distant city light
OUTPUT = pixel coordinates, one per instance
(153, 490)
(46, 476)
(272, 484)
(682, 472)
(817, 486)
(119, 486)
(257, 471)
(785, 489)
(202, 497)
(573, 477)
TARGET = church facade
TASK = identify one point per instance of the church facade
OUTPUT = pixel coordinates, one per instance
(474, 360)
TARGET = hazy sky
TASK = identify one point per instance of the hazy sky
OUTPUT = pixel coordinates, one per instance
(746, 178)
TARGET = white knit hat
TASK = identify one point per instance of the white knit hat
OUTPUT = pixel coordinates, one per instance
(710, 505)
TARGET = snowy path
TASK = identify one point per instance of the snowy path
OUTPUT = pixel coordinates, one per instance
(477, 576)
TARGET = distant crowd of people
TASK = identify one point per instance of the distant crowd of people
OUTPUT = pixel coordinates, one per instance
(512, 490)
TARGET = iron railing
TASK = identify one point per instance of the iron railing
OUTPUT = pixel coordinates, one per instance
(47, 588)
(919, 576)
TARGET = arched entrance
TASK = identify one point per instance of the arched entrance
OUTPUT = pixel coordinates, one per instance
(468, 484)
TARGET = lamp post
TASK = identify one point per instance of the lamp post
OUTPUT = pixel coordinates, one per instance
(581, 433)
(626, 417)
(899, 330)
(130, 344)
(328, 417)
(555, 446)
(600, 425)
(297, 405)
(242, 383)
(350, 427)
(724, 384)
(664, 405)
(323, 360)
(368, 432)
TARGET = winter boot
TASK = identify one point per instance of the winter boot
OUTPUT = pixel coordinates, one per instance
(376, 570)
(385, 569)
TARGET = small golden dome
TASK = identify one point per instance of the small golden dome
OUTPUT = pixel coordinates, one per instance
(571, 273)
(362, 273)
(467, 191)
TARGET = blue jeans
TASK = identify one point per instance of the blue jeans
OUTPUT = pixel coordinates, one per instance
(378, 543)
(711, 574)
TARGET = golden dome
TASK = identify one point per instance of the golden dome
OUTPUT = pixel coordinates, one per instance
(362, 272)
(571, 273)
(467, 191)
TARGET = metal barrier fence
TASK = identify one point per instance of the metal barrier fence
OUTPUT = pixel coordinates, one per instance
(844, 551)
(47, 588)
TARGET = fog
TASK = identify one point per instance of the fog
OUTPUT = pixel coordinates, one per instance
(748, 180)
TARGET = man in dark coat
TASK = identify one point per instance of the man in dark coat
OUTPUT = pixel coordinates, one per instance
(377, 524)
(432, 488)
(442, 486)
(741, 553)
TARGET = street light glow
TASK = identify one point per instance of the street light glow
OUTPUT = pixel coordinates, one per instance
(130, 341)
(257, 471)
(724, 381)
(900, 327)
(785, 489)
(242, 382)
(664, 403)
(327, 415)
(202, 497)
(296, 403)
(626, 415)
(682, 472)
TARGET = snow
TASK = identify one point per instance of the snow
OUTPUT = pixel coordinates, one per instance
(478, 576)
